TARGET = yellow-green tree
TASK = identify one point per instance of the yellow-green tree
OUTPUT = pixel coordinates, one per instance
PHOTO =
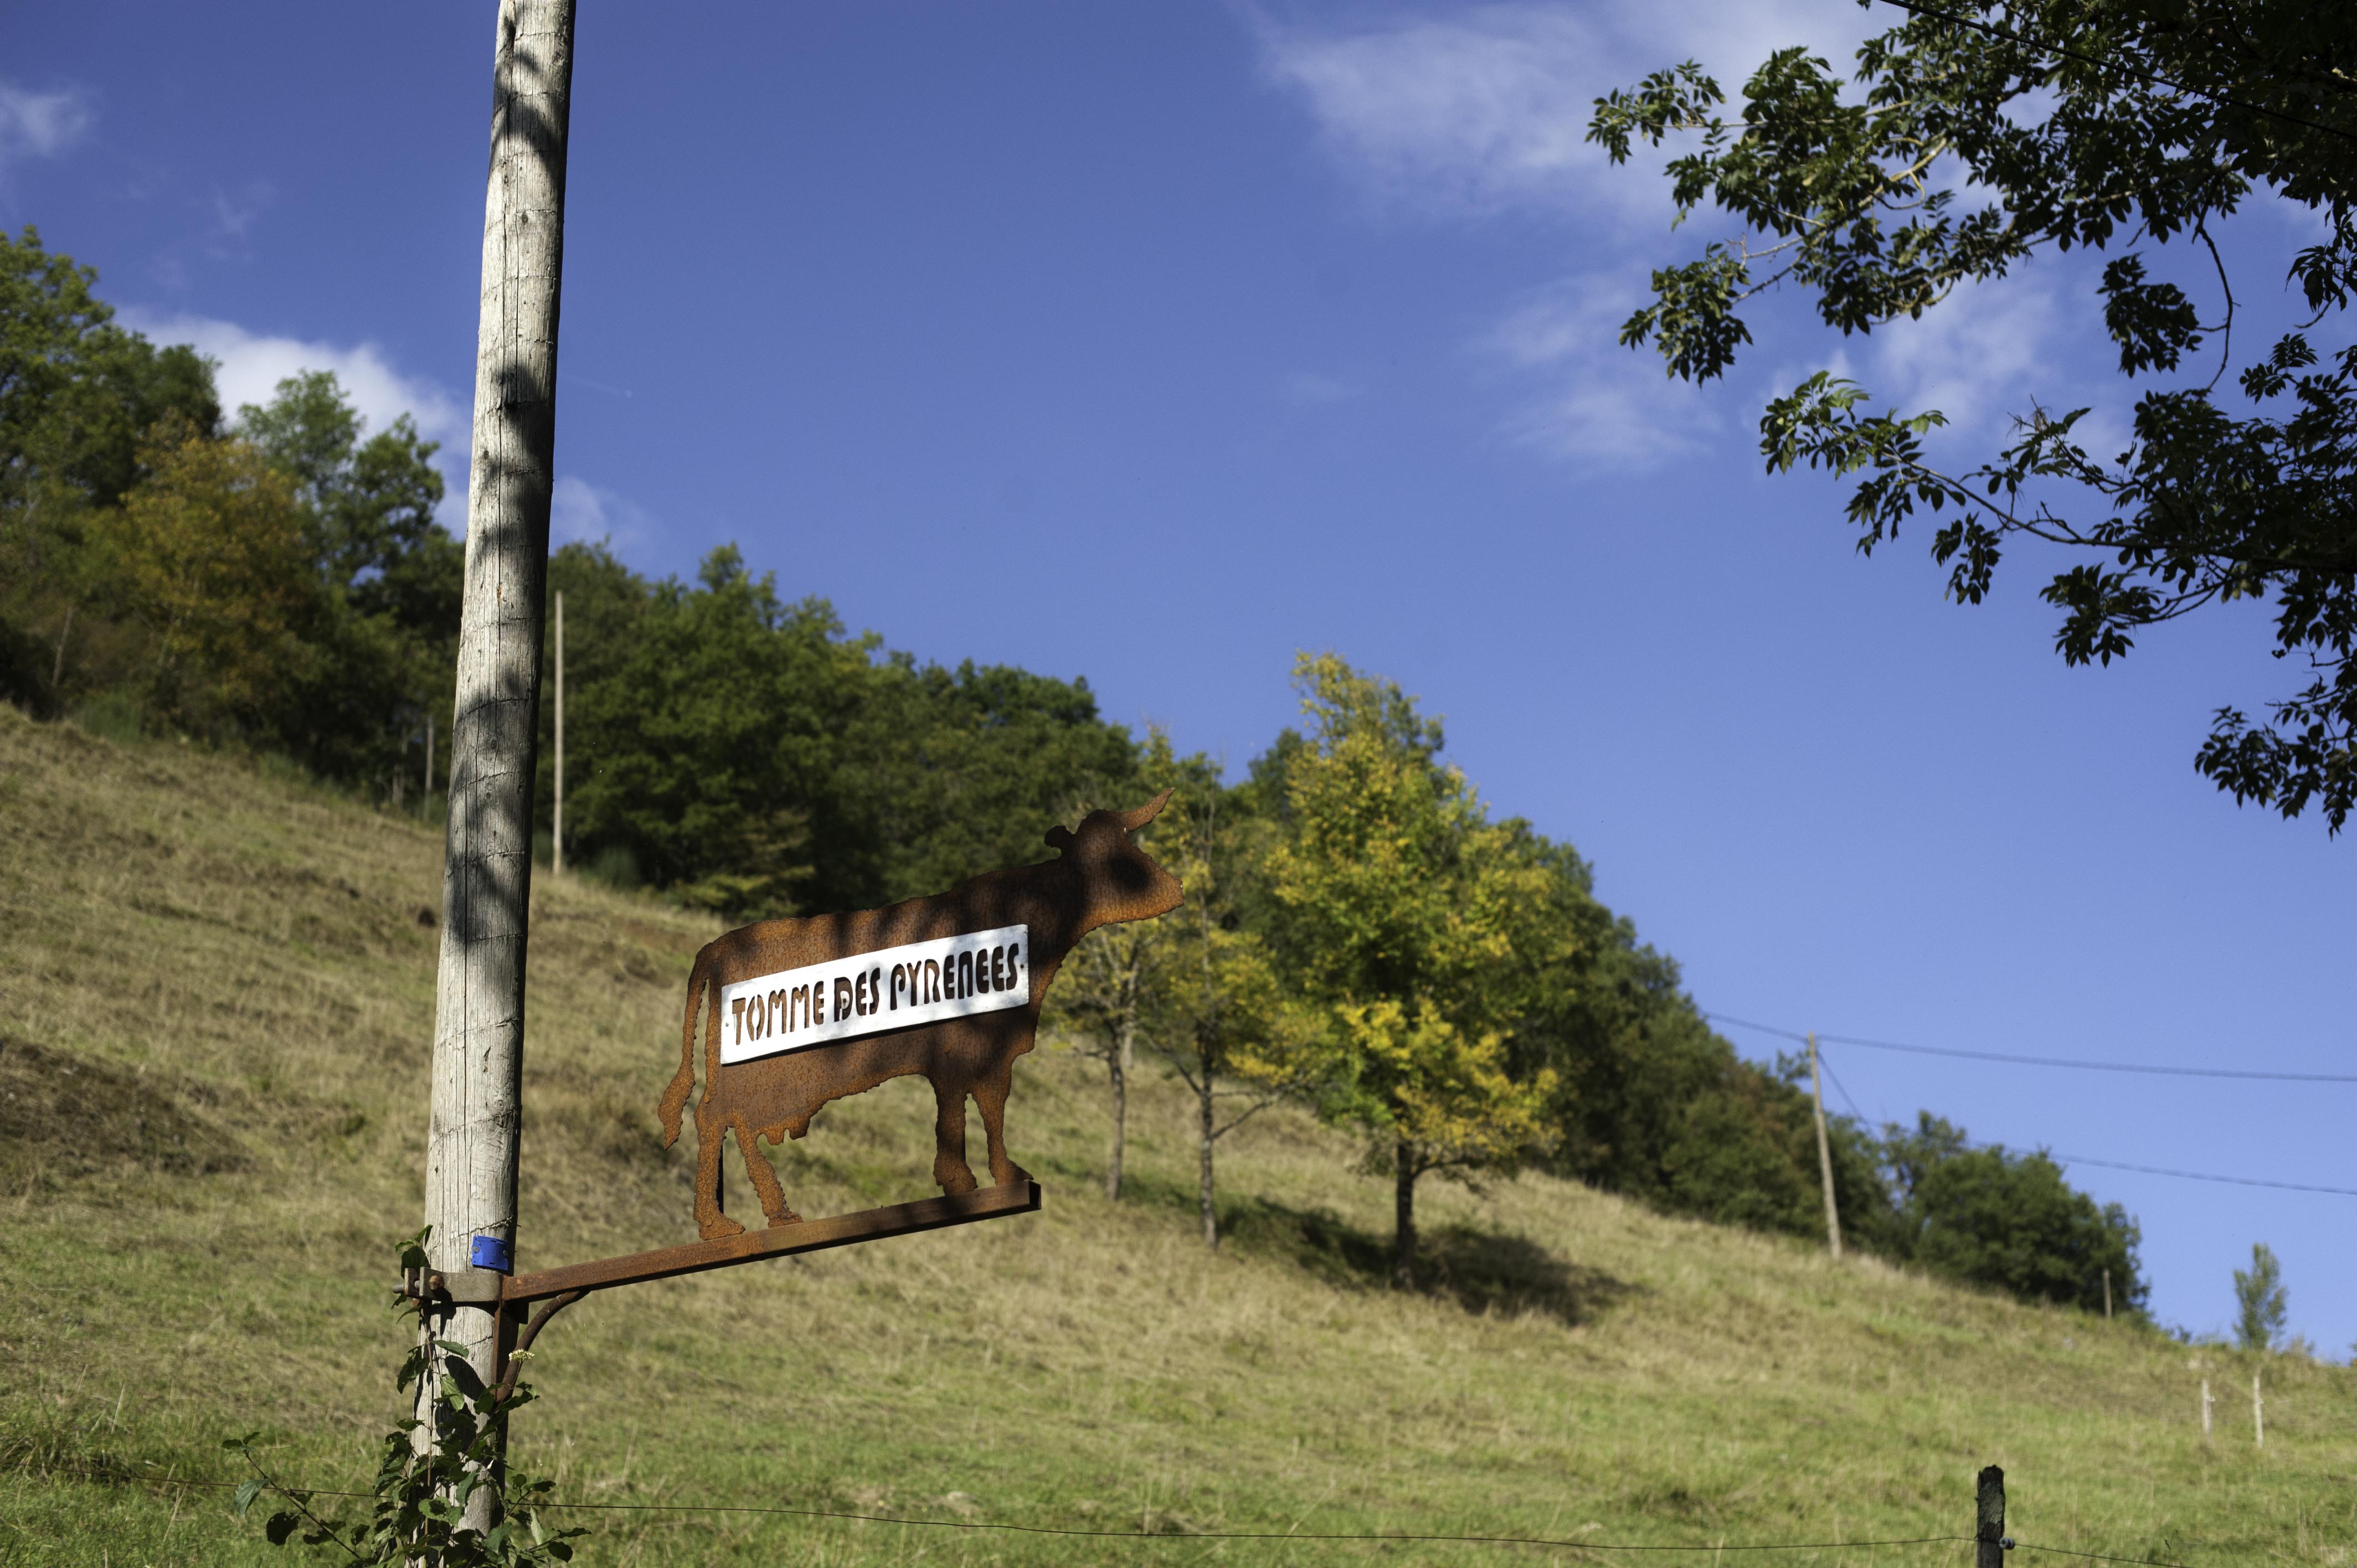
(1400, 909)
(208, 554)
(1237, 1035)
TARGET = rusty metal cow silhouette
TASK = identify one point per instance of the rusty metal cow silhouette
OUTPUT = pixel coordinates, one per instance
(951, 988)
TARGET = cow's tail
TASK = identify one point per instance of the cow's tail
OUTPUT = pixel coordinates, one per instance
(683, 1083)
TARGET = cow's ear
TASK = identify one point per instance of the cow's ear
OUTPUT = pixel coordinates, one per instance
(1059, 837)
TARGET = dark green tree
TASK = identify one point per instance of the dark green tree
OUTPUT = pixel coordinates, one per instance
(1979, 136)
(2009, 1220)
(381, 639)
(78, 394)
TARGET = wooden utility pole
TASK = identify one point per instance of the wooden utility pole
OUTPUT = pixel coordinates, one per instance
(2205, 1410)
(2258, 1415)
(1825, 1151)
(2107, 1295)
(477, 1068)
(428, 790)
(557, 828)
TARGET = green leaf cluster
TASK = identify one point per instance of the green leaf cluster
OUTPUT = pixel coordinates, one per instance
(2262, 1305)
(445, 1495)
(1971, 140)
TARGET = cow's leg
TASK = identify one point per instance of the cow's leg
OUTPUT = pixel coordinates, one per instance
(949, 1169)
(765, 1179)
(710, 1223)
(991, 1095)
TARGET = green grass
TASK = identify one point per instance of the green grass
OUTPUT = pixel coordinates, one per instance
(215, 1008)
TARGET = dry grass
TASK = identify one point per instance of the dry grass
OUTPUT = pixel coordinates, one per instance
(215, 999)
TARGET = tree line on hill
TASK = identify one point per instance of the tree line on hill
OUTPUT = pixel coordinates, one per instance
(1362, 932)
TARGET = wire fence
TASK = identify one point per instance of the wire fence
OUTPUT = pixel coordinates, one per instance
(1176, 1536)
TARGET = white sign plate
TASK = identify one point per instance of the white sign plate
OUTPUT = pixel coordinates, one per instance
(891, 988)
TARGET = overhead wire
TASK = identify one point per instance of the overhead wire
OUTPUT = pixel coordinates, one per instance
(2149, 1068)
(2049, 1061)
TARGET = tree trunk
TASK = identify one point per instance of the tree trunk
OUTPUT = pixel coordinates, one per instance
(57, 665)
(478, 1068)
(1210, 1132)
(1404, 1219)
(1117, 1064)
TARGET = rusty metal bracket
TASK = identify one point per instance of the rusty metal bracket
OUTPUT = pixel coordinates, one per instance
(511, 1296)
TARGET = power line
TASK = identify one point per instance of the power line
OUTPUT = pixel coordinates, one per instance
(2144, 1067)
(2150, 79)
(2200, 1175)
(1826, 1062)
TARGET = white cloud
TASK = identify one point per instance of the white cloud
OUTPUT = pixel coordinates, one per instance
(39, 124)
(1483, 111)
(1981, 356)
(1471, 116)
(1478, 112)
(1602, 404)
(249, 365)
(580, 511)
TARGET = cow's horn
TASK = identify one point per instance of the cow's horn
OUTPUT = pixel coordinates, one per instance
(1133, 820)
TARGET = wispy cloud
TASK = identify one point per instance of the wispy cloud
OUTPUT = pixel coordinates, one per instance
(40, 124)
(1309, 389)
(580, 511)
(1470, 115)
(1464, 117)
(1599, 403)
(1485, 111)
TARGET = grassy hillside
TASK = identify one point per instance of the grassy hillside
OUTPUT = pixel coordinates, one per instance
(215, 1004)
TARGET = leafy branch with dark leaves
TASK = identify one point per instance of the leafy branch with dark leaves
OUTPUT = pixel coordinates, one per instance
(430, 1473)
(1972, 140)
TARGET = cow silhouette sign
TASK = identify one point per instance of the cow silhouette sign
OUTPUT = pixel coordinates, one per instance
(800, 1013)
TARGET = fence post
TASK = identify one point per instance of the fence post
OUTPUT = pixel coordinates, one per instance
(2258, 1415)
(1988, 1533)
(2205, 1410)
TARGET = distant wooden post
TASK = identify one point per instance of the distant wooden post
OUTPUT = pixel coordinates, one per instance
(1825, 1151)
(557, 828)
(427, 791)
(2258, 1415)
(477, 1064)
(2107, 1273)
(2205, 1410)
(1988, 1520)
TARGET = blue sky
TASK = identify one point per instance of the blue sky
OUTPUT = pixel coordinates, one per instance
(1154, 343)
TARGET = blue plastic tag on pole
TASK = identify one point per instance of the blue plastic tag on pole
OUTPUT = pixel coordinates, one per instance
(493, 1252)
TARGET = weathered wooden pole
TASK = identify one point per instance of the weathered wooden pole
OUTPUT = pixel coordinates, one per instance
(477, 1071)
(1988, 1520)
(1825, 1151)
(556, 824)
